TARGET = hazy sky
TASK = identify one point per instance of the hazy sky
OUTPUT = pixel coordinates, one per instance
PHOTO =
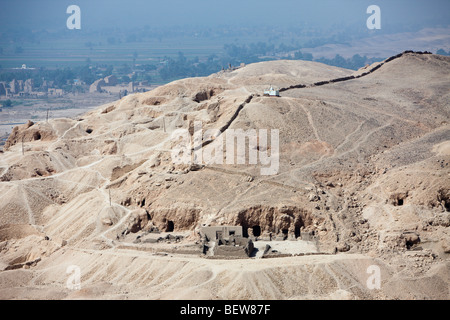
(36, 14)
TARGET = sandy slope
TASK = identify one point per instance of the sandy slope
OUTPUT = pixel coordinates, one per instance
(363, 167)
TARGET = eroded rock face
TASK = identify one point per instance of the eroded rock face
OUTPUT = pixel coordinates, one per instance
(275, 220)
(29, 132)
(138, 220)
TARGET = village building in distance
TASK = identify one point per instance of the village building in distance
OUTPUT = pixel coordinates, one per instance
(27, 88)
(110, 84)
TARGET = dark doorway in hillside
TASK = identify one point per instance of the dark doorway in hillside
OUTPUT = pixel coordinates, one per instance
(170, 226)
(256, 231)
(297, 232)
(36, 136)
(244, 230)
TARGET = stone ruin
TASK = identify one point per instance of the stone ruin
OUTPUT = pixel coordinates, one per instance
(231, 242)
(226, 241)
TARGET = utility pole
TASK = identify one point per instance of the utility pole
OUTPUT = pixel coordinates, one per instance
(47, 114)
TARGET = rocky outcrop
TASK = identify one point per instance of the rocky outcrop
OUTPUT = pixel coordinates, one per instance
(275, 220)
(29, 132)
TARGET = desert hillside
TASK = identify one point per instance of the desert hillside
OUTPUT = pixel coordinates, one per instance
(363, 176)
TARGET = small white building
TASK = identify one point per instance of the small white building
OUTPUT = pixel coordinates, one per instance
(271, 92)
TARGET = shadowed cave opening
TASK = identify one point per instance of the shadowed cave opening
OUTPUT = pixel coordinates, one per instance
(244, 230)
(36, 136)
(256, 231)
(398, 199)
(297, 232)
(204, 95)
(170, 226)
(264, 222)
